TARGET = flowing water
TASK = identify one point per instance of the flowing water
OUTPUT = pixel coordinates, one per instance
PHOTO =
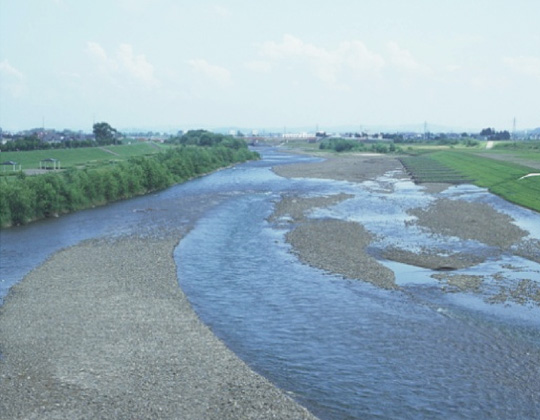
(343, 348)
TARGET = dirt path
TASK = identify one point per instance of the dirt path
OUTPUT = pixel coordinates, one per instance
(108, 151)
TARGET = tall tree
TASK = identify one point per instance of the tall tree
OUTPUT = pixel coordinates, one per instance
(104, 133)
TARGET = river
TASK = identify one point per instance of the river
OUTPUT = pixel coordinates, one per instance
(343, 348)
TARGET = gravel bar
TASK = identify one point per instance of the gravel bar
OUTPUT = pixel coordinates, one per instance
(101, 330)
(343, 247)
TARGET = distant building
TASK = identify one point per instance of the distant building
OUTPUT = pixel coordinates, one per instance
(297, 136)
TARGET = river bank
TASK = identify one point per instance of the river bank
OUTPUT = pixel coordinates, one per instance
(102, 330)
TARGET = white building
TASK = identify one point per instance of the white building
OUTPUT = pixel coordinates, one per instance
(297, 136)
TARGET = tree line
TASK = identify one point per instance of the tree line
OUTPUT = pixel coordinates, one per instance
(33, 142)
(207, 138)
(28, 198)
(344, 145)
(491, 134)
(103, 135)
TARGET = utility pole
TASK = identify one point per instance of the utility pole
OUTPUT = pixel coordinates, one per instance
(514, 130)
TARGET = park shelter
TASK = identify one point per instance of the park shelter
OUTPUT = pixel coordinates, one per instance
(10, 163)
(49, 163)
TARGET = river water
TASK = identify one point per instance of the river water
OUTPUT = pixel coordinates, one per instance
(343, 348)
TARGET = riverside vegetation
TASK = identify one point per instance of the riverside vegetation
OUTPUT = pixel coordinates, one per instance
(26, 198)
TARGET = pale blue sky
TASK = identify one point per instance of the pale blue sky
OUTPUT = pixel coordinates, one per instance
(268, 64)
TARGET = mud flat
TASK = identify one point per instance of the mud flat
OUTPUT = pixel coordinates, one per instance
(102, 330)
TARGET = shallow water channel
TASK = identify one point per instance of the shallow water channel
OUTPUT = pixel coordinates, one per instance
(343, 348)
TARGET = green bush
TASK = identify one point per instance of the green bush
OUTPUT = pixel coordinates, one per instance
(344, 145)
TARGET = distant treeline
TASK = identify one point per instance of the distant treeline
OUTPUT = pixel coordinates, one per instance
(27, 198)
(33, 142)
(491, 134)
(207, 138)
(344, 145)
(104, 135)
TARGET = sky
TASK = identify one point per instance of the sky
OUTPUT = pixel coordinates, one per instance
(269, 65)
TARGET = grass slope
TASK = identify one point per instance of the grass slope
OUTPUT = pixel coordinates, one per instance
(500, 177)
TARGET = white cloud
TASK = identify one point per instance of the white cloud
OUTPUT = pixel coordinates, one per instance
(125, 63)
(403, 59)
(12, 80)
(358, 56)
(326, 63)
(136, 65)
(98, 53)
(290, 47)
(8, 70)
(217, 74)
(524, 64)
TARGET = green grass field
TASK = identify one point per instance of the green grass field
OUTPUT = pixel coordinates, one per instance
(497, 169)
(500, 177)
(83, 157)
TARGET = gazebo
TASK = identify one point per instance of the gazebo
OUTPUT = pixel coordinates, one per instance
(49, 163)
(10, 163)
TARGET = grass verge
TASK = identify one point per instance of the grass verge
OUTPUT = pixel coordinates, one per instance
(499, 177)
(80, 157)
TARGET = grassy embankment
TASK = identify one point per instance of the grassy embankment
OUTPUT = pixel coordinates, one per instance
(88, 183)
(498, 176)
(88, 157)
(497, 169)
